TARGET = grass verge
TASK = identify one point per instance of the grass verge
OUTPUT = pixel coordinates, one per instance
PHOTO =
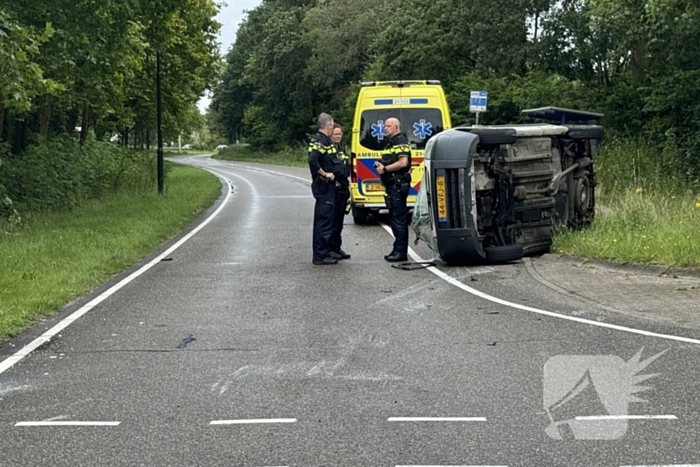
(647, 213)
(54, 258)
(639, 227)
(288, 156)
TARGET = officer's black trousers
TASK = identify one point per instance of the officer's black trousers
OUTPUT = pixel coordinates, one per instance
(398, 212)
(324, 193)
(342, 194)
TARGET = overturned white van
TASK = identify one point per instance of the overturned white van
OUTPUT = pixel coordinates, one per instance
(496, 193)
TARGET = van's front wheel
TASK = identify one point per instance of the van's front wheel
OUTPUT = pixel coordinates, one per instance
(360, 215)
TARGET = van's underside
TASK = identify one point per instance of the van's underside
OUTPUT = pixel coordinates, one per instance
(497, 193)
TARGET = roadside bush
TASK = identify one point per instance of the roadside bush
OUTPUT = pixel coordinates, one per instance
(6, 206)
(59, 174)
(637, 164)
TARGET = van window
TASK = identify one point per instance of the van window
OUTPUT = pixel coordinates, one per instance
(418, 124)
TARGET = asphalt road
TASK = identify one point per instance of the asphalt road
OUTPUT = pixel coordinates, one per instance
(234, 350)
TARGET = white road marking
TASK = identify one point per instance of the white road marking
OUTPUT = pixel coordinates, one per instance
(253, 421)
(628, 417)
(66, 423)
(665, 465)
(48, 335)
(436, 419)
(447, 278)
(442, 465)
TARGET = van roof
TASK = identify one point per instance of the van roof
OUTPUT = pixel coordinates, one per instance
(400, 84)
(536, 129)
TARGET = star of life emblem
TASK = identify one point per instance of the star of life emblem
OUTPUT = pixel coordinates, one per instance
(379, 130)
(422, 129)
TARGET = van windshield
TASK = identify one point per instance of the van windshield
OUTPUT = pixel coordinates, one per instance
(418, 124)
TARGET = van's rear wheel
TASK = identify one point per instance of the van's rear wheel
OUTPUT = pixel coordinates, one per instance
(582, 194)
(360, 215)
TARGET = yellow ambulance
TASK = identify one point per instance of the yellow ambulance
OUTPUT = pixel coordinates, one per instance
(421, 108)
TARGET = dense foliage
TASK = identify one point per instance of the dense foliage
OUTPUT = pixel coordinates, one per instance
(85, 71)
(636, 61)
(82, 64)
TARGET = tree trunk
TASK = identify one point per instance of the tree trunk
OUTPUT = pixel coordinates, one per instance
(18, 142)
(2, 116)
(72, 121)
(45, 116)
(638, 63)
(148, 139)
(85, 123)
(126, 137)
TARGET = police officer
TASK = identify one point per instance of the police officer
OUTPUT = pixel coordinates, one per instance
(395, 172)
(322, 153)
(341, 170)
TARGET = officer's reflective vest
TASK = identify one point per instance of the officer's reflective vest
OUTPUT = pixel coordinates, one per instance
(329, 155)
(396, 146)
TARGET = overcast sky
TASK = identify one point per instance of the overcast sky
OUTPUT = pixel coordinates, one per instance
(230, 17)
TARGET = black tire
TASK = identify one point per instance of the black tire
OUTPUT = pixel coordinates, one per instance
(360, 216)
(502, 254)
(489, 136)
(585, 131)
(582, 194)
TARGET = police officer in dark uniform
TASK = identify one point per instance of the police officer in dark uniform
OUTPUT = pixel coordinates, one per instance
(341, 170)
(395, 172)
(322, 153)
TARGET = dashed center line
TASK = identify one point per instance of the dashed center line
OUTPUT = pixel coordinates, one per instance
(628, 417)
(253, 421)
(66, 423)
(436, 419)
(664, 465)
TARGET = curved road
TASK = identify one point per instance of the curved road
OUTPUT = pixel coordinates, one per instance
(236, 351)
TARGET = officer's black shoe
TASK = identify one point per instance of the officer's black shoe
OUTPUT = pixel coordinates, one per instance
(339, 254)
(396, 257)
(324, 261)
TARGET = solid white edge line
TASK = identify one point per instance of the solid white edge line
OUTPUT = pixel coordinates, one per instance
(664, 465)
(253, 421)
(451, 465)
(627, 417)
(66, 423)
(466, 288)
(436, 419)
(46, 337)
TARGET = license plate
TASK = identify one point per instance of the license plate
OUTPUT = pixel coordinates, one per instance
(441, 198)
(374, 187)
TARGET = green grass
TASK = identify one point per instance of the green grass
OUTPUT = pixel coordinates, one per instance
(288, 156)
(640, 228)
(53, 258)
(645, 214)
